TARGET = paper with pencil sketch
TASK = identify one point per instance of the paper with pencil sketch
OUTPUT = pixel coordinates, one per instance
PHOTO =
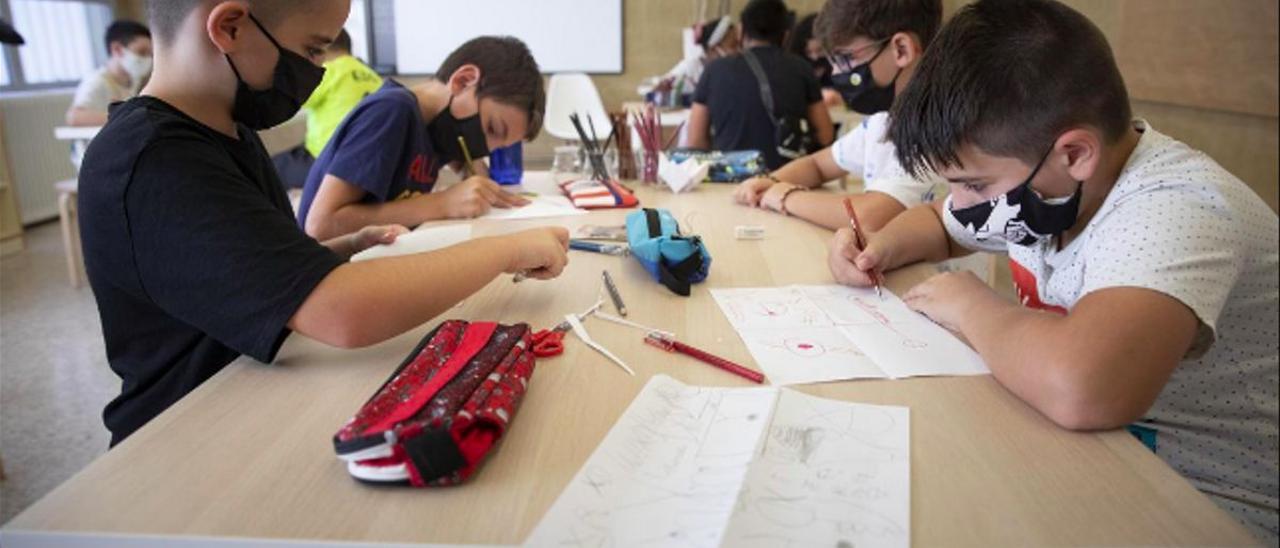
(704, 467)
(802, 334)
(421, 240)
(538, 207)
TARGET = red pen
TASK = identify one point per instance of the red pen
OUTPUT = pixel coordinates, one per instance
(862, 242)
(671, 345)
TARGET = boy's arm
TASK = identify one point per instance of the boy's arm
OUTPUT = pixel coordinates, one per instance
(337, 207)
(699, 130)
(820, 120)
(914, 236)
(825, 209)
(359, 304)
(1101, 366)
(80, 116)
(811, 171)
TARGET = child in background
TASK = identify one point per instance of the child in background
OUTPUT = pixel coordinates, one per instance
(875, 46)
(1147, 272)
(716, 39)
(191, 246)
(382, 163)
(128, 65)
(347, 80)
(804, 43)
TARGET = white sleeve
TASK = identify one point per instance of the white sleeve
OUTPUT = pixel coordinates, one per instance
(1173, 241)
(92, 94)
(893, 180)
(849, 151)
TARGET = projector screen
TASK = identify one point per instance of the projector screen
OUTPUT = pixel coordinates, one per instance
(564, 35)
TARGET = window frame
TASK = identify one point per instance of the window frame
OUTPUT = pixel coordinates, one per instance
(13, 61)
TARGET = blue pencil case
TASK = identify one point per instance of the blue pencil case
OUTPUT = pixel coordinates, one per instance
(673, 259)
(732, 166)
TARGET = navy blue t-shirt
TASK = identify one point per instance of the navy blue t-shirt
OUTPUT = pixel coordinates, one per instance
(383, 147)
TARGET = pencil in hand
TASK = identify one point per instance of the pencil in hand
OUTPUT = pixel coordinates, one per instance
(861, 239)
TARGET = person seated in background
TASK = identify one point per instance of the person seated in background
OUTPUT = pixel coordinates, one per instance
(128, 66)
(729, 108)
(875, 46)
(347, 80)
(804, 43)
(381, 165)
(716, 39)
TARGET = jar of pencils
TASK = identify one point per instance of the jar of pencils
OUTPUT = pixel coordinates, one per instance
(648, 162)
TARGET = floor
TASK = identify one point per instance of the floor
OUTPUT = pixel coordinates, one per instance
(54, 379)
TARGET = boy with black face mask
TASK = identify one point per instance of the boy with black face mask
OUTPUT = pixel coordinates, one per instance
(191, 246)
(873, 47)
(382, 162)
(1147, 273)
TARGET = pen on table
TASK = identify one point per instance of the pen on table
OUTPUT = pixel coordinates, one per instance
(862, 243)
(466, 157)
(613, 293)
(596, 247)
(670, 344)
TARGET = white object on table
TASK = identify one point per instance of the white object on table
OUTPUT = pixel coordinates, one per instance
(805, 334)
(581, 332)
(422, 240)
(537, 208)
(699, 466)
(683, 175)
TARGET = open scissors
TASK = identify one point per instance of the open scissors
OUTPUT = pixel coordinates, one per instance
(550, 342)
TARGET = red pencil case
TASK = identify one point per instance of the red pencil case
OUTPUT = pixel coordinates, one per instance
(597, 194)
(433, 422)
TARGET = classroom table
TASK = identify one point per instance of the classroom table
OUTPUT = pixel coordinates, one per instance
(248, 454)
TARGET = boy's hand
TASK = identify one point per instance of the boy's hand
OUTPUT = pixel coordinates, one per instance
(751, 190)
(852, 265)
(540, 253)
(370, 236)
(475, 196)
(949, 298)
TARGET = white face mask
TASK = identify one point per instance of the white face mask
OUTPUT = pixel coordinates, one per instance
(137, 66)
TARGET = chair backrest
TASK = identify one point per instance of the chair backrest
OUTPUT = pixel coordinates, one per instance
(572, 92)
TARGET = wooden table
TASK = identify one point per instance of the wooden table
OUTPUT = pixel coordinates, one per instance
(248, 454)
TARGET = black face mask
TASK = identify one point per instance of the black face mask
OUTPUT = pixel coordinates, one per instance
(446, 129)
(1022, 216)
(859, 91)
(292, 83)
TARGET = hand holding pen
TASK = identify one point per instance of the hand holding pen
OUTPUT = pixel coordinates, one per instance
(851, 257)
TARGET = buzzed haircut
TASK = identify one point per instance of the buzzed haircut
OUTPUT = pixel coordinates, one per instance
(508, 75)
(125, 32)
(166, 16)
(767, 20)
(840, 21)
(1008, 77)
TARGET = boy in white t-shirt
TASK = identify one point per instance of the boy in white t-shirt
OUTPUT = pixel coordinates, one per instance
(128, 65)
(874, 47)
(1147, 272)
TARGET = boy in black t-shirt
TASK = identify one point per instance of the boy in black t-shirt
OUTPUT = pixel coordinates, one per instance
(190, 244)
(728, 107)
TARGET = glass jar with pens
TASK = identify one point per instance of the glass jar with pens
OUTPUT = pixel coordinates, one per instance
(567, 163)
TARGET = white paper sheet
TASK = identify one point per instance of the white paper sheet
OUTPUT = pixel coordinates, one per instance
(819, 333)
(421, 240)
(691, 466)
(539, 207)
(828, 473)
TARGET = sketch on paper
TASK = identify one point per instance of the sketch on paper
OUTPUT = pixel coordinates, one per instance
(745, 467)
(769, 308)
(808, 354)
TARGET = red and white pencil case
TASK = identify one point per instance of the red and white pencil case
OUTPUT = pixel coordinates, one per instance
(433, 422)
(598, 194)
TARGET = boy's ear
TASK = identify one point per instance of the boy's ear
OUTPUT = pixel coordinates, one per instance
(906, 49)
(224, 24)
(466, 76)
(1081, 150)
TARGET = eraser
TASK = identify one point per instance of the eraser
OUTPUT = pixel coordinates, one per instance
(748, 232)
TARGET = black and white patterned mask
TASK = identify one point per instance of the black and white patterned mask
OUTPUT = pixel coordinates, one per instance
(1019, 216)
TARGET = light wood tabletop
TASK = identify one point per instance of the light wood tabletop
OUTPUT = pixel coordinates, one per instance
(248, 454)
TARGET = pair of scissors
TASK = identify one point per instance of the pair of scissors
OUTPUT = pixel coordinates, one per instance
(550, 342)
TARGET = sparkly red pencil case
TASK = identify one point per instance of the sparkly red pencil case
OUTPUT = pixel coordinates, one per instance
(443, 410)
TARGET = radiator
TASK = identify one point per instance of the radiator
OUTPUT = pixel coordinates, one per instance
(37, 160)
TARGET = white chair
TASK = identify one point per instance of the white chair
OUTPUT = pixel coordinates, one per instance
(67, 216)
(572, 92)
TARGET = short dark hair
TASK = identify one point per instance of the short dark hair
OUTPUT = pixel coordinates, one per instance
(508, 74)
(342, 42)
(798, 42)
(1008, 77)
(840, 21)
(167, 15)
(124, 32)
(767, 20)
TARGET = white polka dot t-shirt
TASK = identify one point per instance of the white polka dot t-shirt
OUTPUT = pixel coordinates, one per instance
(1178, 223)
(865, 152)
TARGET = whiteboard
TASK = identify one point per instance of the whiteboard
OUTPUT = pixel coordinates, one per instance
(564, 35)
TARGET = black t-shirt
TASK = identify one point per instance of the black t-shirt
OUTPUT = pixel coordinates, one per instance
(192, 252)
(731, 93)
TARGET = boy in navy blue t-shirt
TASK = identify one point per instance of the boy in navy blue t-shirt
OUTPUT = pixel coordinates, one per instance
(382, 163)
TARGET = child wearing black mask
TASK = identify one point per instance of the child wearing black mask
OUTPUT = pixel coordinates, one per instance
(382, 162)
(190, 244)
(873, 47)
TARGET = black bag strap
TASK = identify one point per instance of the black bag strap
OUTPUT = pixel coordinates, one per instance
(654, 224)
(434, 454)
(766, 92)
(676, 277)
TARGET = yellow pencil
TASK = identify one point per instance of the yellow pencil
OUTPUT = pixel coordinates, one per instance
(466, 155)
